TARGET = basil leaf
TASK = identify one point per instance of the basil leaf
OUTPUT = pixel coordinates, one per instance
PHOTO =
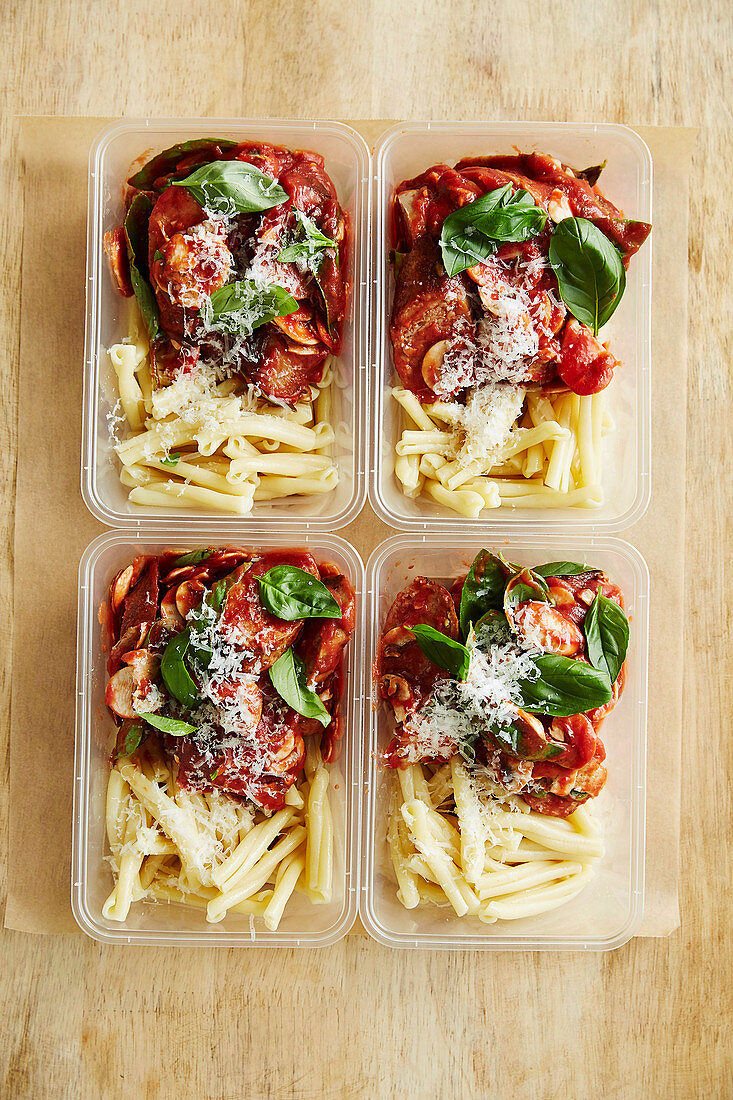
(483, 589)
(192, 558)
(606, 631)
(174, 726)
(288, 679)
(494, 627)
(158, 255)
(176, 676)
(396, 259)
(167, 161)
(291, 594)
(525, 585)
(229, 187)
(471, 233)
(590, 274)
(312, 244)
(467, 748)
(240, 307)
(565, 687)
(171, 460)
(579, 796)
(218, 595)
(560, 569)
(590, 175)
(136, 235)
(442, 650)
(132, 740)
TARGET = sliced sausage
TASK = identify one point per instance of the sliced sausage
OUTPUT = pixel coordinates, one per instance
(428, 307)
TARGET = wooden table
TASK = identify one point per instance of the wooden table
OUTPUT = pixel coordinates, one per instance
(653, 1019)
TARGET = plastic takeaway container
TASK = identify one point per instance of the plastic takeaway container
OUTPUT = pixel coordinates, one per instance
(608, 911)
(150, 922)
(408, 149)
(114, 154)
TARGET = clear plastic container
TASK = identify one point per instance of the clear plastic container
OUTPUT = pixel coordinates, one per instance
(408, 149)
(303, 924)
(110, 160)
(607, 913)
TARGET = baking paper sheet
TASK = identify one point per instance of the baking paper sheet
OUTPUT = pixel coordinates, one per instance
(53, 526)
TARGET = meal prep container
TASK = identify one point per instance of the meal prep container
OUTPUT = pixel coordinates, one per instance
(408, 149)
(608, 911)
(303, 924)
(111, 160)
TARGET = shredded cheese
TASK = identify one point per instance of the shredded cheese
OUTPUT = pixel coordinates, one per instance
(486, 423)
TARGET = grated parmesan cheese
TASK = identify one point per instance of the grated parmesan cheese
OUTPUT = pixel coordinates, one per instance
(458, 710)
(503, 346)
(485, 424)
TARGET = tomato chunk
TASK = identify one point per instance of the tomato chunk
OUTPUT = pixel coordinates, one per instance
(585, 366)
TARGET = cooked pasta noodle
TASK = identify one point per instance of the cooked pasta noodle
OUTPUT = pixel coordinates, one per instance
(451, 844)
(217, 446)
(553, 458)
(213, 851)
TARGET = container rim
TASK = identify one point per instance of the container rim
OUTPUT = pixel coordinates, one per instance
(537, 942)
(361, 303)
(216, 935)
(442, 519)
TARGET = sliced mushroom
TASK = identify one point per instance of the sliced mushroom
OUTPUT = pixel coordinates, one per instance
(432, 363)
(119, 588)
(119, 693)
(189, 595)
(558, 206)
(169, 612)
(297, 326)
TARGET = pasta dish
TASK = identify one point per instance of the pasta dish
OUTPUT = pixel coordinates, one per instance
(236, 257)
(499, 684)
(506, 268)
(225, 682)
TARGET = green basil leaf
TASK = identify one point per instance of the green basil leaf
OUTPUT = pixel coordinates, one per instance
(565, 687)
(396, 259)
(218, 594)
(240, 307)
(442, 650)
(230, 187)
(560, 569)
(167, 161)
(193, 557)
(606, 631)
(525, 585)
(158, 255)
(579, 796)
(483, 589)
(471, 233)
(311, 244)
(590, 274)
(288, 679)
(174, 726)
(171, 460)
(176, 676)
(590, 175)
(132, 741)
(291, 594)
(494, 627)
(524, 742)
(467, 748)
(136, 235)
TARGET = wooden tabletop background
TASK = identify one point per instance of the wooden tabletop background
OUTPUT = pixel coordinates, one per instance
(357, 1020)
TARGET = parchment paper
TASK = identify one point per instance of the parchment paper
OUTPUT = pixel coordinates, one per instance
(53, 526)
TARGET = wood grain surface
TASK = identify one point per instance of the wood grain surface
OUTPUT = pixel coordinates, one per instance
(653, 1019)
